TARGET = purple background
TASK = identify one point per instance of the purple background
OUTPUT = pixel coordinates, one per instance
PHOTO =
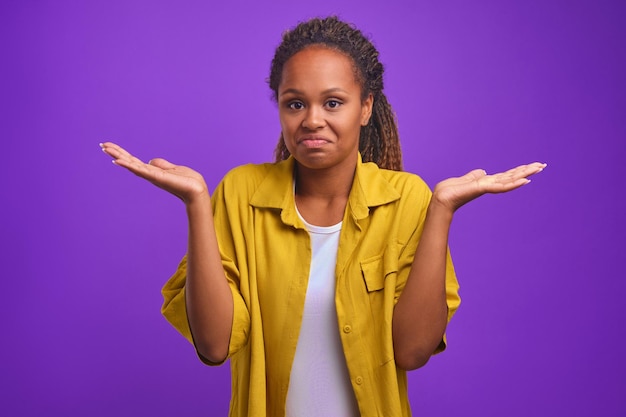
(86, 246)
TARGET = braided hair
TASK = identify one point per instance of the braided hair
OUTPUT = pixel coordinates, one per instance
(379, 141)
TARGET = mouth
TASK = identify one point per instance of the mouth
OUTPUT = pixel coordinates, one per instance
(313, 141)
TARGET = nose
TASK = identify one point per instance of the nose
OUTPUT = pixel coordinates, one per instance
(313, 118)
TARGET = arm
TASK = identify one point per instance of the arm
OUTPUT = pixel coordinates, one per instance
(208, 297)
(420, 316)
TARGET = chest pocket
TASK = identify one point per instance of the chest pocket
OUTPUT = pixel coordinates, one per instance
(377, 268)
(380, 277)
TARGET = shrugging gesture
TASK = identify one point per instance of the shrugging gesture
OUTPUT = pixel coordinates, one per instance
(327, 82)
(420, 317)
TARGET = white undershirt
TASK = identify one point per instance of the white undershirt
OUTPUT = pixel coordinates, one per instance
(320, 383)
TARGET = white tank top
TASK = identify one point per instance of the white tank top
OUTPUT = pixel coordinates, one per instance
(320, 383)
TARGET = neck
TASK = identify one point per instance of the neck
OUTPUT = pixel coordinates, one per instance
(322, 194)
(329, 183)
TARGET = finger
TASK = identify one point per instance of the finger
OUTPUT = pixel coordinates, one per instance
(161, 163)
(510, 178)
(123, 158)
(500, 184)
(113, 149)
(108, 149)
(536, 167)
(526, 170)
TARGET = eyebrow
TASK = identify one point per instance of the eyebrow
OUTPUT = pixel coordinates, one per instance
(328, 91)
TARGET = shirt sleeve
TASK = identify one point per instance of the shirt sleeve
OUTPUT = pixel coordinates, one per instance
(453, 299)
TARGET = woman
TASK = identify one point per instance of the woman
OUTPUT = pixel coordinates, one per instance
(326, 275)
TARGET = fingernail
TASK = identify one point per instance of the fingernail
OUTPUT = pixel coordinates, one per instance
(113, 161)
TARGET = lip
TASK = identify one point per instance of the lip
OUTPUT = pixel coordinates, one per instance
(313, 141)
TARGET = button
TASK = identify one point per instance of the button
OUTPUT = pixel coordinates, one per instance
(347, 328)
(358, 380)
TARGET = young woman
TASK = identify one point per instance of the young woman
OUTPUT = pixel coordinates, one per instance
(326, 275)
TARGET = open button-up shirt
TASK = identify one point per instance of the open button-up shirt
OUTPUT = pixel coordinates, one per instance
(266, 256)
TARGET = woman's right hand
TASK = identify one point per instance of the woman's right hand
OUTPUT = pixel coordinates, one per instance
(181, 181)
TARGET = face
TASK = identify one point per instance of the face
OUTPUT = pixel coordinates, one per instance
(320, 108)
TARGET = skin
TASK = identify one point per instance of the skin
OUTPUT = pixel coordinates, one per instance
(321, 112)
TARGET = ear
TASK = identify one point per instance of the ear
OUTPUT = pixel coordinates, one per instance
(366, 109)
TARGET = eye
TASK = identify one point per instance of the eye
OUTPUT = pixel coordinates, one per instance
(333, 104)
(295, 105)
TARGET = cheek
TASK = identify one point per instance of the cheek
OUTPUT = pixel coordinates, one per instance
(288, 124)
(286, 131)
(352, 124)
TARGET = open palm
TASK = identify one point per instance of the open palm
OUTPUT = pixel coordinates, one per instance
(183, 182)
(455, 192)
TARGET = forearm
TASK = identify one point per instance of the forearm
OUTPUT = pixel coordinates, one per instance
(420, 316)
(208, 296)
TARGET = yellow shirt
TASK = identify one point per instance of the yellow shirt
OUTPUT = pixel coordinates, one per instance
(266, 255)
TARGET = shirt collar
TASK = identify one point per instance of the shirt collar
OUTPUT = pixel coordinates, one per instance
(276, 192)
(369, 189)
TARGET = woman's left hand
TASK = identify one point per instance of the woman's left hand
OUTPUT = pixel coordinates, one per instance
(455, 192)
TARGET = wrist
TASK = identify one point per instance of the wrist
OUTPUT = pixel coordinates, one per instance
(198, 201)
(440, 210)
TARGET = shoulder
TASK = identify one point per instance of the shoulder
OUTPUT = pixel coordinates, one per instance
(252, 182)
(405, 180)
(404, 183)
(248, 173)
(249, 176)
(240, 183)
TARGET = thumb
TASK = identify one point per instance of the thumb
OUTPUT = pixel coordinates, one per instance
(476, 174)
(161, 163)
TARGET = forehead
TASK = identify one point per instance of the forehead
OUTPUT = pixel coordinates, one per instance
(319, 66)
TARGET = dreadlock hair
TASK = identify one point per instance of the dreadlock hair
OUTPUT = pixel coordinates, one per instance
(379, 141)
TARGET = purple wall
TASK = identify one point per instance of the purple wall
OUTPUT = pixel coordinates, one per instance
(491, 84)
